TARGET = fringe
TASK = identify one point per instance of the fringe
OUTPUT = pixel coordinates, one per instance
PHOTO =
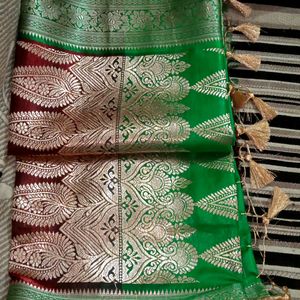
(279, 202)
(259, 176)
(240, 98)
(267, 111)
(258, 134)
(252, 62)
(252, 32)
(244, 9)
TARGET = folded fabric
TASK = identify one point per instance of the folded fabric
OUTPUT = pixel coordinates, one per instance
(141, 224)
(74, 104)
(126, 184)
(122, 26)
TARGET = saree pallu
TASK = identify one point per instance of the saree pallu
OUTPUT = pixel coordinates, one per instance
(126, 182)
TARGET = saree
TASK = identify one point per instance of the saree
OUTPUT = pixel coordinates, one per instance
(126, 183)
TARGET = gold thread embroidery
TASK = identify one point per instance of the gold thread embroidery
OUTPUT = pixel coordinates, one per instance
(43, 167)
(217, 129)
(49, 54)
(153, 209)
(216, 50)
(46, 86)
(40, 130)
(41, 255)
(214, 84)
(43, 204)
(222, 203)
(225, 255)
(235, 291)
(122, 24)
(224, 164)
(117, 104)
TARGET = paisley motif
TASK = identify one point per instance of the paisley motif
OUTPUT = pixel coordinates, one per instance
(225, 163)
(217, 129)
(49, 54)
(214, 84)
(41, 255)
(144, 222)
(45, 167)
(225, 255)
(222, 203)
(43, 204)
(40, 130)
(46, 86)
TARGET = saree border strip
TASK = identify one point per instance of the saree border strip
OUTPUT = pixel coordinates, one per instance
(254, 136)
(23, 291)
(139, 25)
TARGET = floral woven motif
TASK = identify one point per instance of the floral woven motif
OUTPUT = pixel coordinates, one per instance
(98, 26)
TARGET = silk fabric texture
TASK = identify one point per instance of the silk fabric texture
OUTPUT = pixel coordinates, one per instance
(123, 131)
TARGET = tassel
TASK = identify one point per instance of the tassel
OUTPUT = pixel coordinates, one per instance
(244, 9)
(252, 32)
(279, 202)
(250, 61)
(267, 111)
(285, 296)
(258, 134)
(259, 176)
(239, 98)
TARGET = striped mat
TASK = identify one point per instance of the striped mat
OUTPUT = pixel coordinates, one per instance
(9, 14)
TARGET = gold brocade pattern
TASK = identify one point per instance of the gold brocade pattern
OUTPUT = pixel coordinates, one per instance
(222, 203)
(106, 207)
(50, 54)
(120, 220)
(226, 255)
(121, 24)
(115, 219)
(225, 163)
(111, 104)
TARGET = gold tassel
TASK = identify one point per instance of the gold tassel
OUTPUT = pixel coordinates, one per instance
(239, 98)
(279, 202)
(259, 176)
(267, 111)
(258, 134)
(250, 61)
(252, 32)
(285, 296)
(244, 9)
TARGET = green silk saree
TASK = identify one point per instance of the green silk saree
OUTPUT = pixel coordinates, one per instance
(126, 183)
